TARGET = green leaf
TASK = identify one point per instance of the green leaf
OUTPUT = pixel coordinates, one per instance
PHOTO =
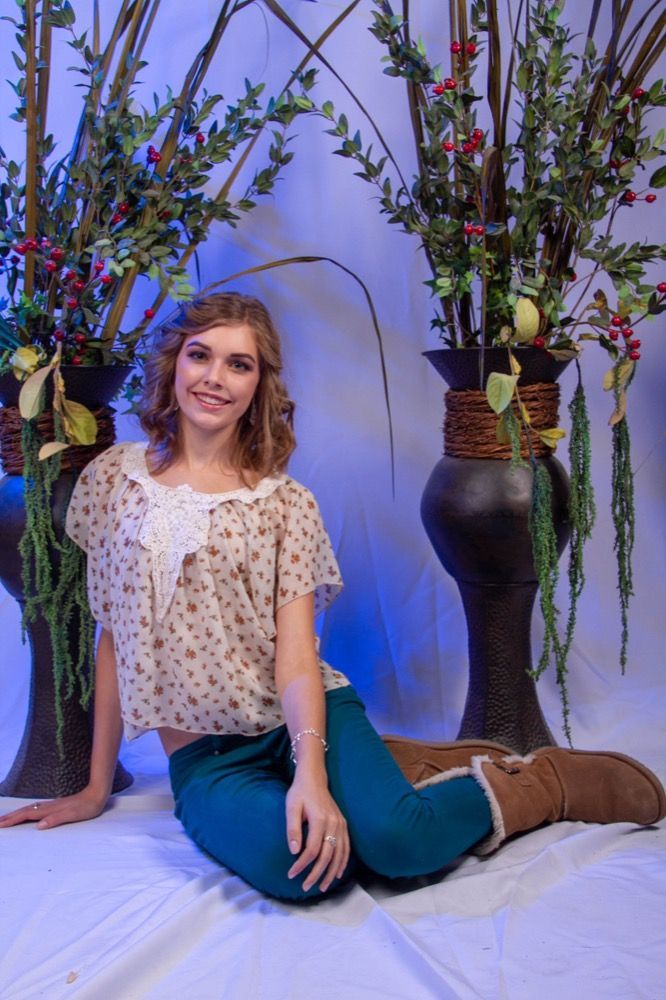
(658, 179)
(500, 390)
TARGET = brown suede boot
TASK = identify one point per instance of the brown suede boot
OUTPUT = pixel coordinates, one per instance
(420, 761)
(554, 784)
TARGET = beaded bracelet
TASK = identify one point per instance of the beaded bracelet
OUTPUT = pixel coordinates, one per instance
(299, 736)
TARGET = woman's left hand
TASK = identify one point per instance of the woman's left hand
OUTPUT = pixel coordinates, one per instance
(327, 845)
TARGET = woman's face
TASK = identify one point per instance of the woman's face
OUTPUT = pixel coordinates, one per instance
(217, 372)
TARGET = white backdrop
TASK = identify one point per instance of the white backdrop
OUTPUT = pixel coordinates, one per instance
(398, 629)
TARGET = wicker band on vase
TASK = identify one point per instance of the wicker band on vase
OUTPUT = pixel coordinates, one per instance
(73, 459)
(470, 425)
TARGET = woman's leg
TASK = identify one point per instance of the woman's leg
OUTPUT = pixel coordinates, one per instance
(394, 829)
(230, 797)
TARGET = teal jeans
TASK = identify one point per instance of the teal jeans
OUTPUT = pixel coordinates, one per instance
(230, 797)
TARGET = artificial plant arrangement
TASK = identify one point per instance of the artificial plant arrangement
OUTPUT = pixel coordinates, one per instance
(129, 198)
(516, 188)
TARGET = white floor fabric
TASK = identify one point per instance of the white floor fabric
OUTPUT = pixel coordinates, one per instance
(126, 908)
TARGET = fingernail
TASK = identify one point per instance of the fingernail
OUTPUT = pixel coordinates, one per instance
(41, 825)
(293, 846)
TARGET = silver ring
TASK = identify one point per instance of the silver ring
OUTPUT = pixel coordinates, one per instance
(330, 839)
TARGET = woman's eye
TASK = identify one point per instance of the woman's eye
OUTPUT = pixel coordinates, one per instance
(241, 365)
(196, 355)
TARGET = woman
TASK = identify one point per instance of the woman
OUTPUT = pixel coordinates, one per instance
(206, 567)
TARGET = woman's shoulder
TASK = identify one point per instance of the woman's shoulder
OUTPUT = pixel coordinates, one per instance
(113, 463)
(295, 494)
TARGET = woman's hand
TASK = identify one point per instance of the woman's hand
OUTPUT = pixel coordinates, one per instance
(86, 804)
(309, 801)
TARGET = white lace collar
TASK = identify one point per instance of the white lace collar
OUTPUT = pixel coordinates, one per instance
(135, 467)
(177, 520)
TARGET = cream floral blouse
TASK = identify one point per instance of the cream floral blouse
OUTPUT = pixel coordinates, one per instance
(189, 584)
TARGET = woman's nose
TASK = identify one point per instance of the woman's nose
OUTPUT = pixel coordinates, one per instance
(214, 373)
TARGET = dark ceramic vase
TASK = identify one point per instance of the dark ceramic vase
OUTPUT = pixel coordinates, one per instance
(39, 769)
(476, 515)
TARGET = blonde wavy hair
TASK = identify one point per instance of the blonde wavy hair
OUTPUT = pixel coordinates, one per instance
(265, 437)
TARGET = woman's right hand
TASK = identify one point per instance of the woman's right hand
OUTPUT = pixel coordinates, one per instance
(86, 804)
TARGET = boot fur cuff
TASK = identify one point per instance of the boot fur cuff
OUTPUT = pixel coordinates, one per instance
(494, 839)
(437, 779)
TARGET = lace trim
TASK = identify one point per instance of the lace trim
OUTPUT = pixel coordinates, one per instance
(177, 520)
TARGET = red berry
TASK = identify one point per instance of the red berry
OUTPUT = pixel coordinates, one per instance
(616, 321)
(539, 342)
(80, 338)
(200, 137)
(479, 230)
(634, 344)
(78, 286)
(106, 279)
(99, 266)
(70, 275)
(467, 147)
(72, 303)
(116, 218)
(456, 47)
(123, 207)
(149, 313)
(470, 48)
(477, 134)
(58, 335)
(634, 355)
(448, 147)
(468, 229)
(156, 157)
(650, 198)
(449, 83)
(31, 244)
(630, 196)
(437, 89)
(57, 254)
(661, 287)
(51, 266)
(614, 164)
(637, 94)
(21, 248)
(628, 333)
(613, 334)
(77, 359)
(624, 111)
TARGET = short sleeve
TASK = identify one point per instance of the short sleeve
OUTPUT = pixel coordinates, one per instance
(305, 563)
(87, 525)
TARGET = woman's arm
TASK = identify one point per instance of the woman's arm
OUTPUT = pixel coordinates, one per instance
(301, 692)
(90, 801)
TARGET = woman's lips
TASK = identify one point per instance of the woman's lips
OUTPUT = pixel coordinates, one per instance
(211, 402)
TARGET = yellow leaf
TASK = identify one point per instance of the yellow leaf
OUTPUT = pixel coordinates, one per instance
(526, 321)
(500, 390)
(621, 372)
(52, 448)
(31, 395)
(620, 408)
(24, 360)
(525, 413)
(600, 300)
(551, 435)
(515, 366)
(505, 334)
(80, 423)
